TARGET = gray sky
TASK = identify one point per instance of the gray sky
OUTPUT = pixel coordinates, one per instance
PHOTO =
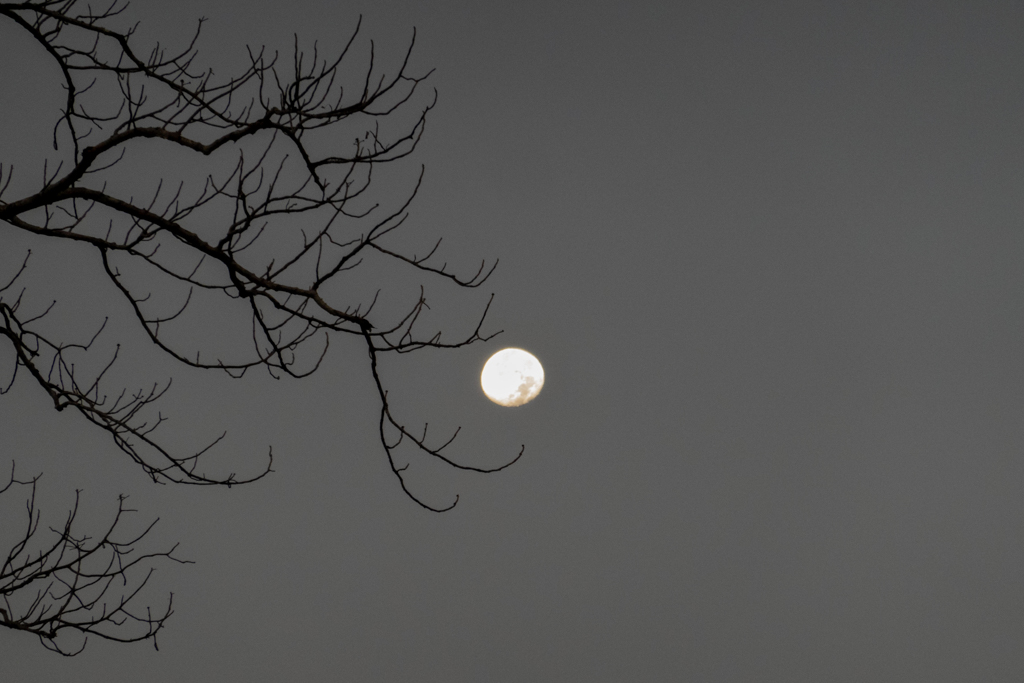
(770, 256)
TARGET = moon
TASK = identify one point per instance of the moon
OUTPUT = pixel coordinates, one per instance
(512, 377)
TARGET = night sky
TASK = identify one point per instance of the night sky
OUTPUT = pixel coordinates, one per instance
(770, 255)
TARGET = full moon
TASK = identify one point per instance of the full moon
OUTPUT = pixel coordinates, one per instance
(512, 377)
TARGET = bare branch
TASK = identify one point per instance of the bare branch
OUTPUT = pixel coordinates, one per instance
(61, 585)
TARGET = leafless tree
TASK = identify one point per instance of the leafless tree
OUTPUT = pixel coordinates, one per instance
(284, 143)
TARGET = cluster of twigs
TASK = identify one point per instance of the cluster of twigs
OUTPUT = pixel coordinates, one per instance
(63, 585)
(236, 234)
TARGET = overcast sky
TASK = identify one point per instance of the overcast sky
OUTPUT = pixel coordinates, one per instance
(769, 254)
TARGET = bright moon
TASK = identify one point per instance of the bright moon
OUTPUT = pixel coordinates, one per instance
(512, 377)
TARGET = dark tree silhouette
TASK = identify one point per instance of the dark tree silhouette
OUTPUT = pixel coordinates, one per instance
(284, 143)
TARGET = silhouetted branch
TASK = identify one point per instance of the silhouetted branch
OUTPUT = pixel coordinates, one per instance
(64, 584)
(291, 142)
